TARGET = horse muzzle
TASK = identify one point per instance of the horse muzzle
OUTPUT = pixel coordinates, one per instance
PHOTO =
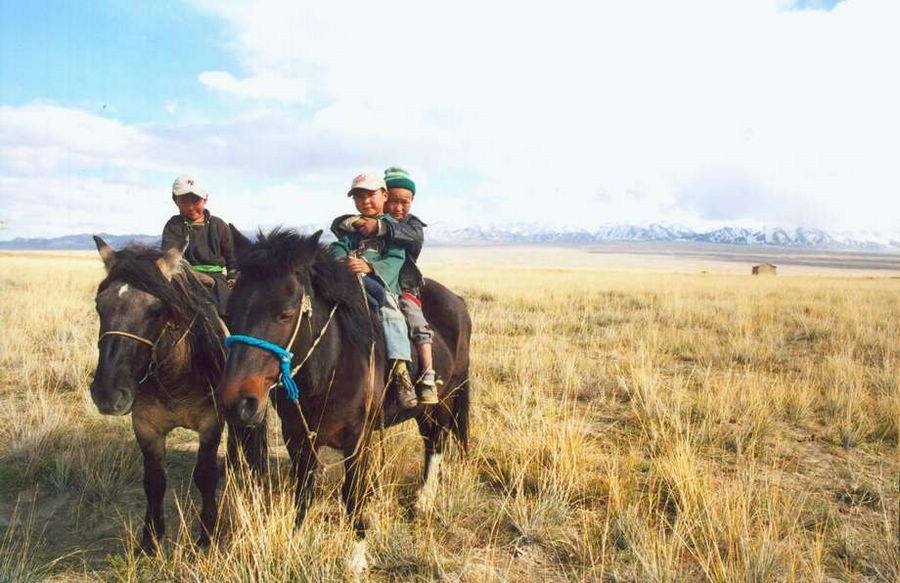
(244, 402)
(115, 400)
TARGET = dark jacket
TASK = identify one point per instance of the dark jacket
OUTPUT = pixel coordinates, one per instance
(409, 235)
(385, 257)
(208, 243)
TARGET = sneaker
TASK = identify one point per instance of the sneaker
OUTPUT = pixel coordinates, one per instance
(426, 388)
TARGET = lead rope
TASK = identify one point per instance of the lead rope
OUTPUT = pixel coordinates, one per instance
(180, 338)
(366, 428)
(312, 434)
(285, 357)
(369, 403)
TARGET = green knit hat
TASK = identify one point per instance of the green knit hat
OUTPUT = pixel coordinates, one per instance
(396, 177)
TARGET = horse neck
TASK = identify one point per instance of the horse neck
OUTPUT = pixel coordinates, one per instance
(180, 353)
(319, 332)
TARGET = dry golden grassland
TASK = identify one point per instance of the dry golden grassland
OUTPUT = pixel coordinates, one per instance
(641, 426)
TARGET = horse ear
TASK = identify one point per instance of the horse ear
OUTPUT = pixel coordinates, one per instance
(168, 263)
(106, 253)
(240, 241)
(316, 236)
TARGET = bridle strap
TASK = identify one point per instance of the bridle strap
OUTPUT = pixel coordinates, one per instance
(127, 335)
(315, 343)
(283, 354)
(151, 367)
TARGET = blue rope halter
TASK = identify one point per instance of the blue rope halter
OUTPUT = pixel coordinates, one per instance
(284, 357)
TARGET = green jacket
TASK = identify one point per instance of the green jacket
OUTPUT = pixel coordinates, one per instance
(385, 258)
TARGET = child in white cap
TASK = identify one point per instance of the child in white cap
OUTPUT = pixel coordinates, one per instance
(379, 263)
(407, 232)
(209, 245)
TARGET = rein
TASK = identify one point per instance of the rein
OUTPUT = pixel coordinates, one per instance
(154, 363)
(285, 357)
(283, 354)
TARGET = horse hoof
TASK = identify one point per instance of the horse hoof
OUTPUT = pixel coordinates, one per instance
(357, 563)
(148, 546)
(203, 541)
(424, 502)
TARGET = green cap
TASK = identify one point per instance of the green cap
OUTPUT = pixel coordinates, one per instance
(396, 177)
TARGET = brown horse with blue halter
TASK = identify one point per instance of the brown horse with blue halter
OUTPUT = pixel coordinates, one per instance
(301, 323)
(160, 356)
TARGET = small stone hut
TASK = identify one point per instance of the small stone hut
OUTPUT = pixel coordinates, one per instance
(764, 269)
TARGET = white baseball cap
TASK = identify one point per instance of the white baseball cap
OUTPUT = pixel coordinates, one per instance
(367, 182)
(188, 185)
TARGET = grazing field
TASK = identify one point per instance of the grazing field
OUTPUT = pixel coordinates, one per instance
(655, 425)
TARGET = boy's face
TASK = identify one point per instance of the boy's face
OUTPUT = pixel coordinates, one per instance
(191, 206)
(369, 203)
(399, 201)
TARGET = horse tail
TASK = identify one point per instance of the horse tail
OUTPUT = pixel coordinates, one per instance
(461, 404)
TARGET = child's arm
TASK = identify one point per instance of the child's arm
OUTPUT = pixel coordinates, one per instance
(228, 254)
(344, 225)
(342, 247)
(409, 235)
(173, 233)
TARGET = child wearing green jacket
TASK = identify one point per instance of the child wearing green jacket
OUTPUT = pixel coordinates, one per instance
(379, 263)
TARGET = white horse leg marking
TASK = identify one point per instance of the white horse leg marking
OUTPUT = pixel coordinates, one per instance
(428, 491)
(357, 563)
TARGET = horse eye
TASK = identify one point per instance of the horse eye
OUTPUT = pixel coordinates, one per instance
(286, 315)
(155, 312)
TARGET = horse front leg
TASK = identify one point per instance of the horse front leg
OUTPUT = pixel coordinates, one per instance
(303, 466)
(355, 491)
(434, 438)
(153, 448)
(206, 477)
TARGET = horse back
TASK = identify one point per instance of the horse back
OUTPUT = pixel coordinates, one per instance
(447, 313)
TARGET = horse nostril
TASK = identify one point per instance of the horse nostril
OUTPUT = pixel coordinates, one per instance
(111, 402)
(246, 408)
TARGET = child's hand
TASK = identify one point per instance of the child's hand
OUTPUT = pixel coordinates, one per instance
(357, 265)
(366, 226)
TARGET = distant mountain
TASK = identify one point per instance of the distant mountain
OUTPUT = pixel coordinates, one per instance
(536, 234)
(78, 242)
(779, 237)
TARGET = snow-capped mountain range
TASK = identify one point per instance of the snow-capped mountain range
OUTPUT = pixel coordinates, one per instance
(438, 233)
(779, 237)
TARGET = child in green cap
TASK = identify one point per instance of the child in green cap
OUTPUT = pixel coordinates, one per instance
(379, 263)
(407, 232)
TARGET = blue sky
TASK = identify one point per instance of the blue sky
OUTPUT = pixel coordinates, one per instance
(129, 57)
(700, 112)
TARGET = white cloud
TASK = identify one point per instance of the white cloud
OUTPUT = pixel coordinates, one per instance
(64, 170)
(697, 111)
(267, 86)
(659, 97)
(44, 139)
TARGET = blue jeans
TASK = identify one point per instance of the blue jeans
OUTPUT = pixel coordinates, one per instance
(375, 293)
(396, 335)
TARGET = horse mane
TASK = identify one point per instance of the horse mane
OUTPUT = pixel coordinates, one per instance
(283, 250)
(184, 297)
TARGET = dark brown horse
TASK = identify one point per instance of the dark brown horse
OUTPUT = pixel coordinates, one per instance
(161, 355)
(293, 293)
